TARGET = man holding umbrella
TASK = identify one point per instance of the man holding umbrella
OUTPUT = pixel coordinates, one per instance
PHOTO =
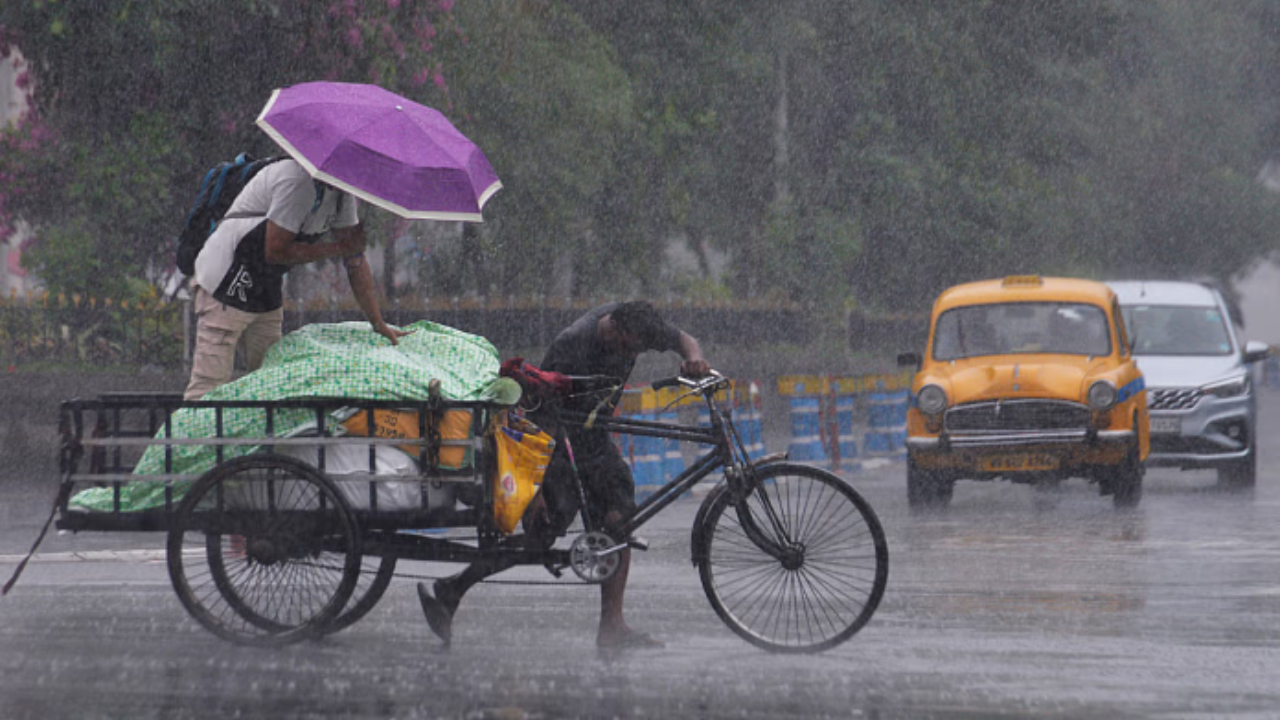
(274, 223)
(345, 141)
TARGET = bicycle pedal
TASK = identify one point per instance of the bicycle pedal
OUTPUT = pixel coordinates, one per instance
(638, 543)
(556, 570)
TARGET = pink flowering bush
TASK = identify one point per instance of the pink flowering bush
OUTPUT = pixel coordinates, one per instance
(128, 109)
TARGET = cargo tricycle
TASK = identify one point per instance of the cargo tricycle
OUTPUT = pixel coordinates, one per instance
(292, 536)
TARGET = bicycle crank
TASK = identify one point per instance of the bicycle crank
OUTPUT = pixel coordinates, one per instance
(594, 556)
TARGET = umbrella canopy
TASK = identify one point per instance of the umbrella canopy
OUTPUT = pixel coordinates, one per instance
(382, 148)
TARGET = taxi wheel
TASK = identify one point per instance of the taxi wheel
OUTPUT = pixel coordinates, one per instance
(1126, 480)
(1047, 493)
(927, 490)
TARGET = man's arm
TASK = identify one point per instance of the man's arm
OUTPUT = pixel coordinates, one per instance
(280, 249)
(362, 285)
(694, 364)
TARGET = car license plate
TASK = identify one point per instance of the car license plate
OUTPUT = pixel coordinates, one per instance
(1166, 425)
(1027, 462)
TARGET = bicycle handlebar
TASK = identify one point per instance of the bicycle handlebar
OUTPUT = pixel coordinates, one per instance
(711, 379)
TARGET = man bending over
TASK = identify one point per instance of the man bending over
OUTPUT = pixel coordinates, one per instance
(605, 341)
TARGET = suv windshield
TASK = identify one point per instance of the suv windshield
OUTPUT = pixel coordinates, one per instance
(1047, 327)
(1177, 330)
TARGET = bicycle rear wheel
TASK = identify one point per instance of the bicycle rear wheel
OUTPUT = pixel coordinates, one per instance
(263, 550)
(818, 573)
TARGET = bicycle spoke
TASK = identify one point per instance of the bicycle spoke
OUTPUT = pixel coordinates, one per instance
(290, 565)
(800, 566)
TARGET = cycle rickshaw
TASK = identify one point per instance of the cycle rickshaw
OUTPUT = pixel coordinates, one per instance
(271, 547)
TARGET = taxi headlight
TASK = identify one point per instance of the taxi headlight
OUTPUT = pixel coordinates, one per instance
(931, 400)
(1231, 387)
(1102, 395)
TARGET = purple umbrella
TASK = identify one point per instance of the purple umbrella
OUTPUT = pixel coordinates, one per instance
(382, 148)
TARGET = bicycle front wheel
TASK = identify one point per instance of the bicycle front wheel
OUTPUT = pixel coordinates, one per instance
(800, 565)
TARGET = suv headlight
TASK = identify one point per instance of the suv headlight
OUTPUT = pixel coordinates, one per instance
(931, 400)
(1231, 387)
(1101, 395)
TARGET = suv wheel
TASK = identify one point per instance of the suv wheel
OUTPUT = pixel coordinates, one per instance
(1241, 474)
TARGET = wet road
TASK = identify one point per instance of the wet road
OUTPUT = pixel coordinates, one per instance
(1009, 605)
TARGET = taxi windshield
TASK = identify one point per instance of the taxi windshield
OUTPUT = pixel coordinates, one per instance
(1177, 330)
(1029, 327)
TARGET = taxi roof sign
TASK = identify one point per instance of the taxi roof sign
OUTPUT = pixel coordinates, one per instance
(1022, 281)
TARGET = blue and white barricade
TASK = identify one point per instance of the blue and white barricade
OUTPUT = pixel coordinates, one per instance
(846, 439)
(642, 453)
(672, 454)
(806, 395)
(646, 462)
(653, 460)
(748, 419)
(886, 423)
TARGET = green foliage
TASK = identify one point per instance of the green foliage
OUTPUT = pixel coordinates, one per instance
(66, 259)
(834, 153)
(546, 99)
(133, 101)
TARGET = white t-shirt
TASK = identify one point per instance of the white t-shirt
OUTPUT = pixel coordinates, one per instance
(284, 193)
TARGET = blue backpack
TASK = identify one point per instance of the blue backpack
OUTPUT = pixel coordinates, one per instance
(219, 189)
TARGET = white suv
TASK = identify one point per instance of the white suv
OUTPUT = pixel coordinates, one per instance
(1199, 390)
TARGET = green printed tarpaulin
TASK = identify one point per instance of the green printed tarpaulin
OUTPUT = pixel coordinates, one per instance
(342, 360)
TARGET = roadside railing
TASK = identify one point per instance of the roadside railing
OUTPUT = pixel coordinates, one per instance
(58, 330)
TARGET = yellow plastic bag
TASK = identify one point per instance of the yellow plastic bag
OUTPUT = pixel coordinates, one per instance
(403, 424)
(523, 453)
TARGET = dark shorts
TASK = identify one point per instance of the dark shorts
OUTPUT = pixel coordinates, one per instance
(606, 480)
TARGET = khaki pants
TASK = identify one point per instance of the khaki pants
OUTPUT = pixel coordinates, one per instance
(218, 330)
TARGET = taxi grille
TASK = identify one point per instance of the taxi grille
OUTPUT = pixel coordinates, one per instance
(1017, 415)
(1173, 398)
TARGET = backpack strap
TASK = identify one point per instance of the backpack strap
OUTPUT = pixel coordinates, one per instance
(319, 196)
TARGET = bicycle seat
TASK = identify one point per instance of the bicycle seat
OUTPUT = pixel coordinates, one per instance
(582, 384)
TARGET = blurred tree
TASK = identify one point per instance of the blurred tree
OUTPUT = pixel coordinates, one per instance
(871, 152)
(131, 102)
(545, 97)
(1172, 138)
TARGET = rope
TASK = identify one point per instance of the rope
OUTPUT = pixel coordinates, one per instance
(64, 492)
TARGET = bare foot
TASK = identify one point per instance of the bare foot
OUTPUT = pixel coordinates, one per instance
(625, 638)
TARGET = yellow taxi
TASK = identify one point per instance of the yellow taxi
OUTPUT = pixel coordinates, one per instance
(1028, 379)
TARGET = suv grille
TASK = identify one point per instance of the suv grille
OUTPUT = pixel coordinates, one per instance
(1017, 415)
(1173, 398)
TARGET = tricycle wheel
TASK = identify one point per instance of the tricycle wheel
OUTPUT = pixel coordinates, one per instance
(264, 550)
(798, 565)
(376, 574)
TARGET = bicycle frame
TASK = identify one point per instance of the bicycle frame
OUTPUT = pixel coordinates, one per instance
(727, 452)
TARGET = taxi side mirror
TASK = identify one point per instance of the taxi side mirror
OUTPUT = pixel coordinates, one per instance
(911, 360)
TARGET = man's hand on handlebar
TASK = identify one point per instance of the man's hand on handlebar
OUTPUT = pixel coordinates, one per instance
(695, 368)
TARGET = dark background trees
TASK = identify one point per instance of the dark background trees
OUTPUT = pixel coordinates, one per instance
(818, 152)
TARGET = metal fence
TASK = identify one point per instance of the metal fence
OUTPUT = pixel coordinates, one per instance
(60, 330)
